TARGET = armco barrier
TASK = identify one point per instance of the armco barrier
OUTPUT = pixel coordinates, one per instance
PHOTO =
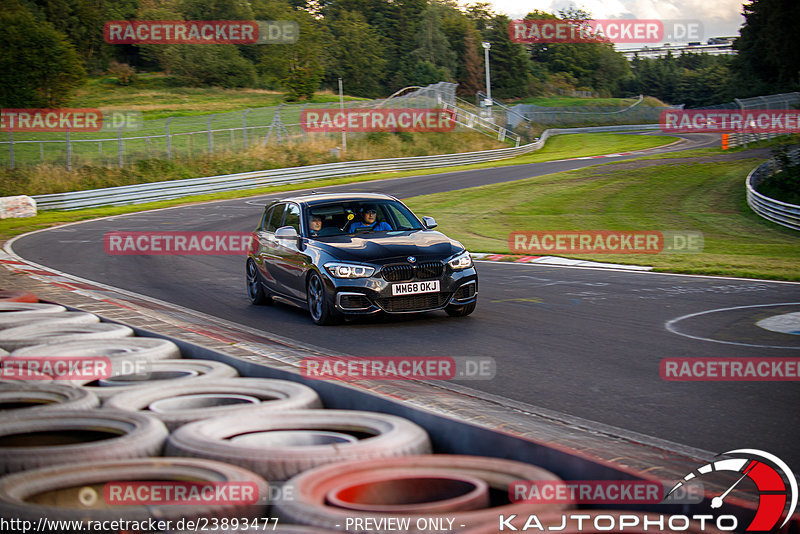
(134, 194)
(782, 213)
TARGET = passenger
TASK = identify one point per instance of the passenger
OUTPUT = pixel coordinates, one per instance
(369, 214)
(315, 225)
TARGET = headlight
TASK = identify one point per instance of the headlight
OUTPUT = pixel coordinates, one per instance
(349, 270)
(462, 261)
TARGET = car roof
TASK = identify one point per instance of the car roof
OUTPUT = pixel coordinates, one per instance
(328, 197)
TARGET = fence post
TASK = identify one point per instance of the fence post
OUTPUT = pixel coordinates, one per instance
(69, 152)
(169, 139)
(744, 135)
(119, 145)
(301, 121)
(210, 135)
(244, 126)
(11, 148)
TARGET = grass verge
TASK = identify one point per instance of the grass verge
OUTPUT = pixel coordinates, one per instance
(158, 96)
(44, 179)
(704, 197)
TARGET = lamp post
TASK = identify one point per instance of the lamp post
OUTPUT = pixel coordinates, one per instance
(488, 102)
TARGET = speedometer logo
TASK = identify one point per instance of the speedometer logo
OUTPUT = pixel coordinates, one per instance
(769, 478)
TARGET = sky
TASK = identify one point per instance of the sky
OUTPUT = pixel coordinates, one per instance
(720, 18)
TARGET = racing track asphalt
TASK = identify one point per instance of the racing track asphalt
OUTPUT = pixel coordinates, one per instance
(584, 342)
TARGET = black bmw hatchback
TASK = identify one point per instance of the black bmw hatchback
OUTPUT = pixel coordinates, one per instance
(341, 255)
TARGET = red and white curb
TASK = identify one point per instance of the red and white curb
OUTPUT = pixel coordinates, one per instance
(555, 260)
(18, 266)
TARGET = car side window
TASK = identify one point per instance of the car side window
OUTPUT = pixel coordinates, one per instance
(292, 217)
(265, 218)
(275, 218)
(404, 220)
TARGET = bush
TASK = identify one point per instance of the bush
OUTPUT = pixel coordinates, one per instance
(126, 75)
(784, 185)
(215, 65)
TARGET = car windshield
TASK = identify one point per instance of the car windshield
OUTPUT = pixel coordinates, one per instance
(361, 216)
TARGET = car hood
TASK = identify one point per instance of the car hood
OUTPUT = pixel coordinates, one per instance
(383, 247)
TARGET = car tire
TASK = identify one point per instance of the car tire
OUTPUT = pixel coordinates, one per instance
(14, 319)
(77, 436)
(318, 306)
(164, 373)
(18, 398)
(75, 493)
(255, 289)
(309, 490)
(273, 395)
(124, 354)
(378, 436)
(460, 311)
(30, 307)
(57, 333)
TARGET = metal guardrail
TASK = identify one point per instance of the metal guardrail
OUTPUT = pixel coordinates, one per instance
(782, 213)
(150, 192)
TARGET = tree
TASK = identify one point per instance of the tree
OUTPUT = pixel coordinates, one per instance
(81, 22)
(508, 64)
(216, 10)
(769, 58)
(38, 66)
(481, 14)
(432, 59)
(357, 55)
(471, 67)
(297, 67)
(400, 38)
(595, 65)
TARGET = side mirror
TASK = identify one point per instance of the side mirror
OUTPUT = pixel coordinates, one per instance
(286, 232)
(430, 222)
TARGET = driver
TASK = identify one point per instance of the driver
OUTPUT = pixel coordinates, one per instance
(369, 216)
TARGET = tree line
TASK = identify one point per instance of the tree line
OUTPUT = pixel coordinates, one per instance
(49, 47)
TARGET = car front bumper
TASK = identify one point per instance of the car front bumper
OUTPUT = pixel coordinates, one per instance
(365, 296)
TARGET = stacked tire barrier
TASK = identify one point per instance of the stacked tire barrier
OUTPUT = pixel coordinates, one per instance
(79, 450)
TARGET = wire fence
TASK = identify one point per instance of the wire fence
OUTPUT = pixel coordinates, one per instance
(185, 137)
(780, 101)
(577, 116)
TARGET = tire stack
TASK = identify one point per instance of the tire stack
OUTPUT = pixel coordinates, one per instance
(158, 417)
(63, 441)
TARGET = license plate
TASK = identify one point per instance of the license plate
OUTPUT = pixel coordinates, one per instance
(414, 288)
